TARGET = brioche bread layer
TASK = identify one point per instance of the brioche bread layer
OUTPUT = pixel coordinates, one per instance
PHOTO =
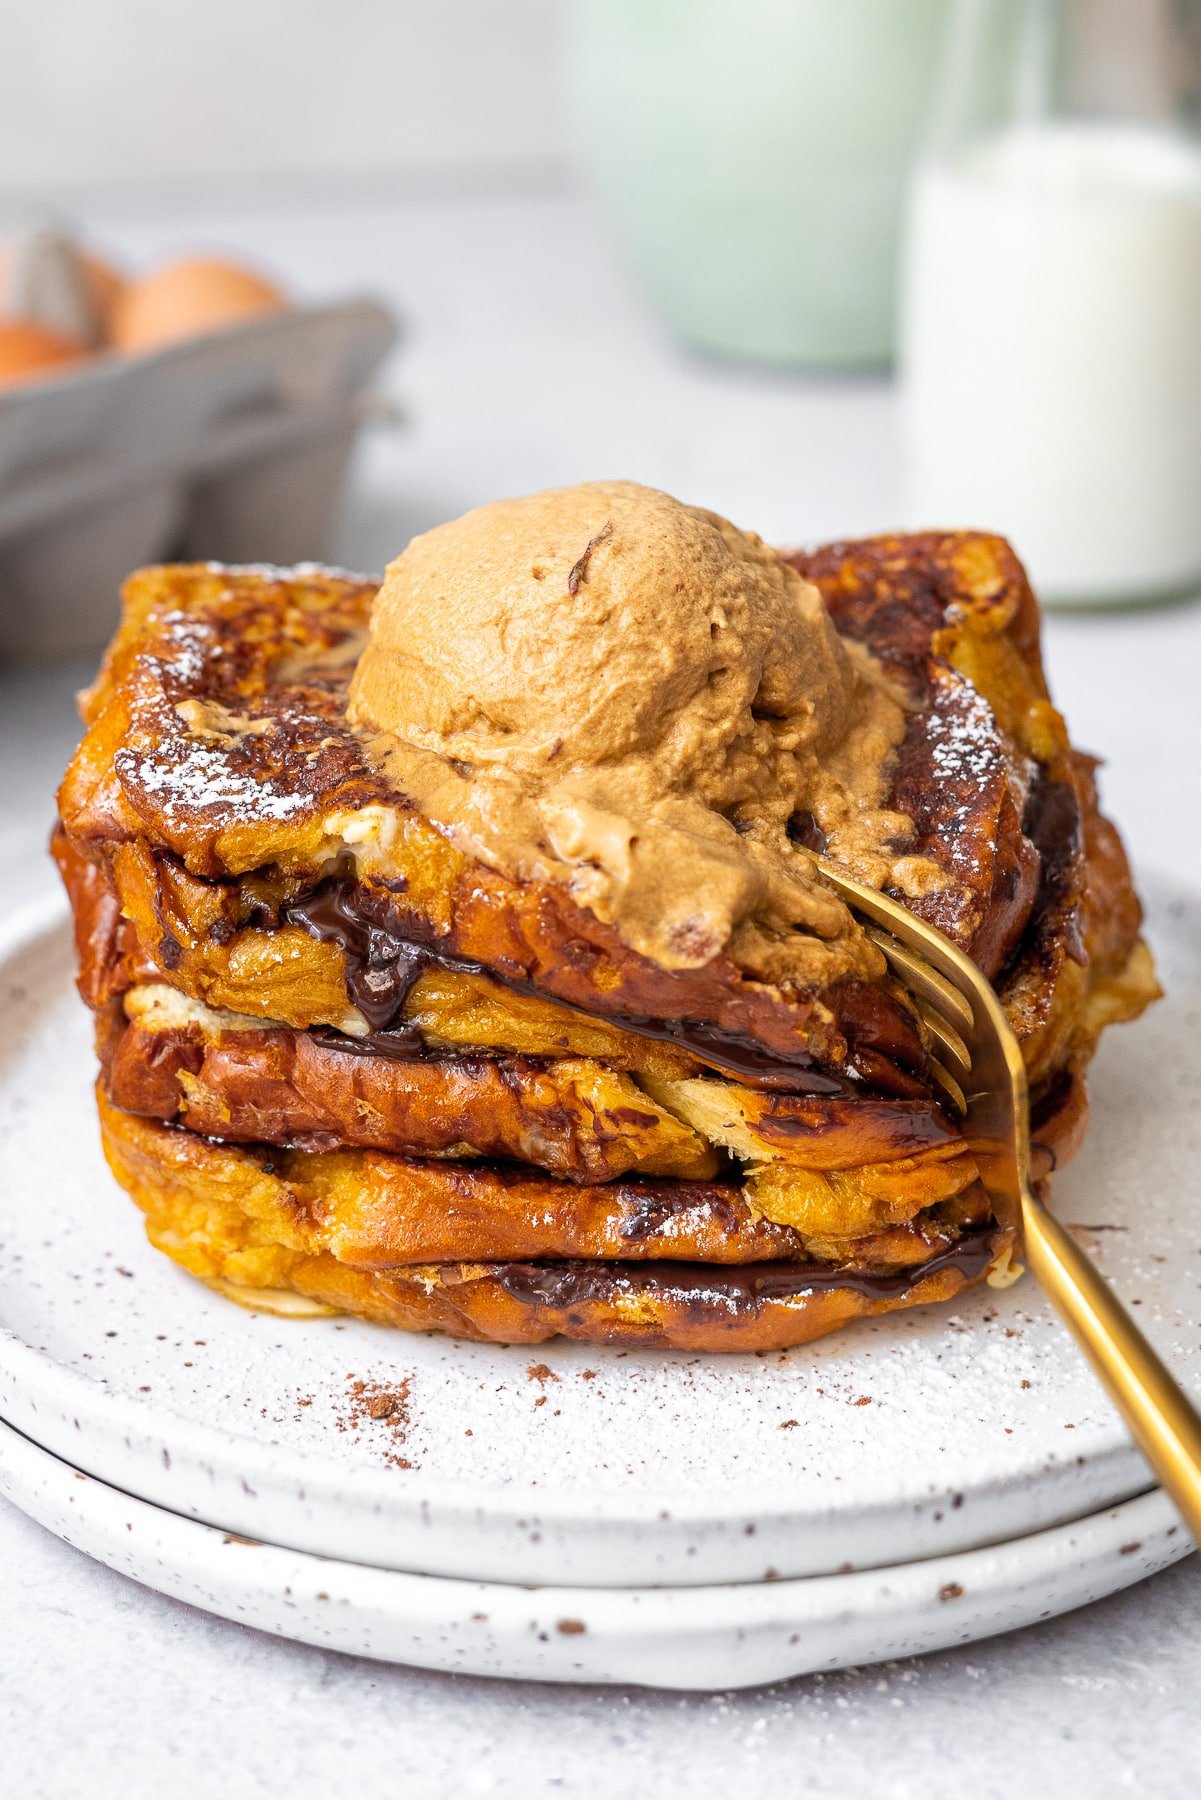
(217, 781)
(203, 764)
(673, 1264)
(829, 1169)
(229, 1077)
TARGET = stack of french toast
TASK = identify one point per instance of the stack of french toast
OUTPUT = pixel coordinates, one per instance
(347, 1064)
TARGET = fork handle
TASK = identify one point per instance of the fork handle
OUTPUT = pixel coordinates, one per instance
(1162, 1420)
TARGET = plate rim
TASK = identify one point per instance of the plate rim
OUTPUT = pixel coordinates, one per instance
(646, 1614)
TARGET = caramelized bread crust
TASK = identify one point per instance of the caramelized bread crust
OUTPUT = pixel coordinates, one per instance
(684, 1265)
(346, 1062)
(224, 1078)
(218, 779)
(1041, 895)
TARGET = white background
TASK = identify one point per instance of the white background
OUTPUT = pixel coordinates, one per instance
(97, 93)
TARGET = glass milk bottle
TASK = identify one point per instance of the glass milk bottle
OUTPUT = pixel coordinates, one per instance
(1051, 303)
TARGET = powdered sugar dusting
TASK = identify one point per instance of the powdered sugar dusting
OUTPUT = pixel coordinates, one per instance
(193, 643)
(963, 743)
(965, 758)
(187, 773)
(293, 571)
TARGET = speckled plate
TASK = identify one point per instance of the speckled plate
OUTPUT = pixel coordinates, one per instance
(689, 1637)
(929, 1433)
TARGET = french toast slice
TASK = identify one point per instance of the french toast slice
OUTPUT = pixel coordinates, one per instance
(243, 1080)
(347, 1062)
(833, 1169)
(676, 1264)
(219, 783)
(1041, 896)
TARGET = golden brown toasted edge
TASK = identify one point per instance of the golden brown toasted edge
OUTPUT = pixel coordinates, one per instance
(833, 1169)
(216, 726)
(963, 595)
(305, 609)
(952, 616)
(944, 609)
(228, 1077)
(662, 1263)
(174, 758)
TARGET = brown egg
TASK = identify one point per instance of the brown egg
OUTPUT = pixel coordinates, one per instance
(28, 350)
(105, 287)
(187, 298)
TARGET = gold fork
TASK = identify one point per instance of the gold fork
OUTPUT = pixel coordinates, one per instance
(979, 1066)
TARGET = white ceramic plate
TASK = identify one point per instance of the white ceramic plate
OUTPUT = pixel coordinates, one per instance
(927, 1433)
(691, 1637)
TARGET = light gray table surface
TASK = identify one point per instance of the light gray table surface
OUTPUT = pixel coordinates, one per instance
(531, 361)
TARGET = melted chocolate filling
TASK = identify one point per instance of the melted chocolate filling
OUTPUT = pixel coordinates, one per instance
(382, 965)
(804, 829)
(738, 1288)
(1052, 823)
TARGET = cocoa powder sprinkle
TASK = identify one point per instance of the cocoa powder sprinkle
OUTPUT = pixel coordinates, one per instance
(374, 1403)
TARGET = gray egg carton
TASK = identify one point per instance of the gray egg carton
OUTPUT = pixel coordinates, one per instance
(230, 447)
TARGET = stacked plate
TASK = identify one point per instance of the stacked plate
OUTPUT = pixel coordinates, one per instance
(573, 1513)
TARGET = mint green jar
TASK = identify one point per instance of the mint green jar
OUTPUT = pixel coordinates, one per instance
(752, 154)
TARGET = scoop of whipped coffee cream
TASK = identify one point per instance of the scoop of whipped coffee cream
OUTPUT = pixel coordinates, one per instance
(602, 687)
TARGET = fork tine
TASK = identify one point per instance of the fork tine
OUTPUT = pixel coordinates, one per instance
(947, 1082)
(917, 974)
(946, 1037)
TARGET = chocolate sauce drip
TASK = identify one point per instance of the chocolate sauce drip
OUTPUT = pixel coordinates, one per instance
(739, 1288)
(1052, 823)
(403, 1043)
(382, 965)
(736, 1053)
(804, 829)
